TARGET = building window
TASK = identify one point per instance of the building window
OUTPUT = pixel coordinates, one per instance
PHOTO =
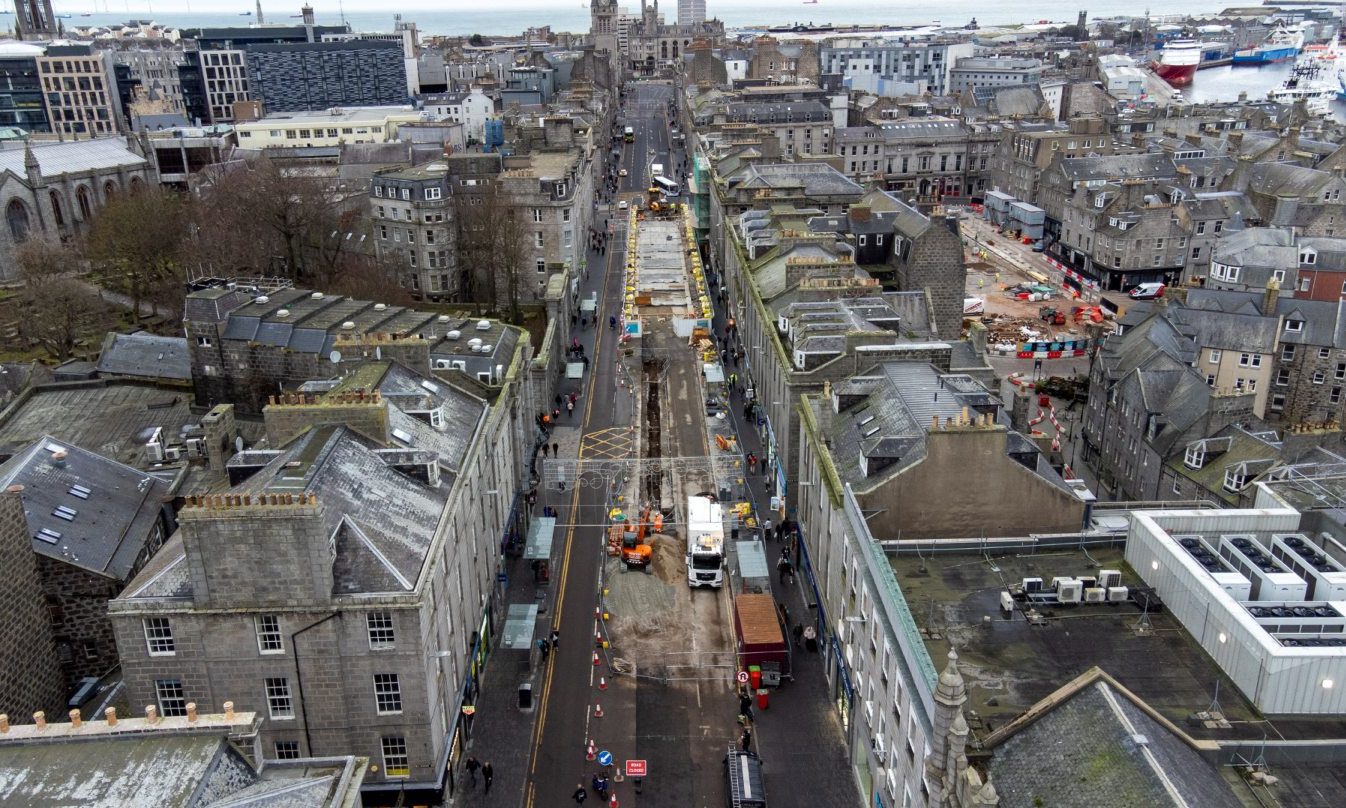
(1234, 481)
(1319, 377)
(1335, 396)
(1215, 357)
(172, 701)
(378, 191)
(1287, 353)
(433, 193)
(1282, 377)
(278, 699)
(1308, 257)
(1250, 360)
(1279, 276)
(538, 240)
(287, 750)
(1210, 380)
(269, 640)
(381, 634)
(1200, 230)
(1324, 353)
(159, 636)
(537, 215)
(406, 194)
(203, 342)
(387, 693)
(1218, 227)
(541, 265)
(395, 761)
(1294, 325)
(1278, 403)
(1195, 457)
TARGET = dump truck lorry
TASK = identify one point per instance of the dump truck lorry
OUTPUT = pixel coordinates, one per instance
(705, 542)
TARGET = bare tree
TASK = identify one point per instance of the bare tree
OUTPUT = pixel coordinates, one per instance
(135, 242)
(59, 309)
(491, 250)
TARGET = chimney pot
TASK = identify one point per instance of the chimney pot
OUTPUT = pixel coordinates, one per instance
(40, 718)
(4, 723)
(191, 712)
(934, 423)
(229, 710)
(75, 719)
(151, 713)
(111, 715)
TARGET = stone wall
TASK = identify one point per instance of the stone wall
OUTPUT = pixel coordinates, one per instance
(77, 604)
(290, 415)
(30, 676)
(966, 487)
(241, 553)
(934, 263)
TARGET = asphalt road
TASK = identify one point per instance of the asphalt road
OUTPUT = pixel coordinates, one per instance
(661, 724)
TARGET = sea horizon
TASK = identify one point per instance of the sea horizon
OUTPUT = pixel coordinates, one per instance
(573, 17)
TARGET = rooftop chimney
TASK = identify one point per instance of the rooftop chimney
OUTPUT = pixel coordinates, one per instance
(111, 715)
(1270, 297)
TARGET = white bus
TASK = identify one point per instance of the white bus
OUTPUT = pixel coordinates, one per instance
(669, 187)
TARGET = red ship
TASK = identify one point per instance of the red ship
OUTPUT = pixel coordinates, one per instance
(1178, 61)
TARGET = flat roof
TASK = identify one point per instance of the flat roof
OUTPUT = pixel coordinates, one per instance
(336, 115)
(1009, 664)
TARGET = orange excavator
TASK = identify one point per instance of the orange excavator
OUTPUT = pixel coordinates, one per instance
(636, 551)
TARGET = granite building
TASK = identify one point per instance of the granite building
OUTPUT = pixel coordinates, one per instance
(292, 77)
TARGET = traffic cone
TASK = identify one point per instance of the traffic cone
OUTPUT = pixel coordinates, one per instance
(602, 683)
(593, 753)
(612, 803)
(598, 638)
(595, 659)
(598, 710)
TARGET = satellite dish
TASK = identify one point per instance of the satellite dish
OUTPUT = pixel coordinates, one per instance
(238, 443)
(334, 356)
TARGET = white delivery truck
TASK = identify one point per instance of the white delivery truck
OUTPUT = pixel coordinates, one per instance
(705, 542)
(656, 170)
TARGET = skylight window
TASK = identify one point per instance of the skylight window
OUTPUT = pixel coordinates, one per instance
(79, 491)
(402, 436)
(62, 512)
(431, 386)
(866, 420)
(871, 433)
(48, 535)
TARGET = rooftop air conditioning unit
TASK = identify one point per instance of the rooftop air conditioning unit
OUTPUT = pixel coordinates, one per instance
(1117, 594)
(154, 451)
(1095, 594)
(173, 453)
(1032, 585)
(196, 447)
(1070, 592)
(453, 335)
(443, 364)
(1109, 578)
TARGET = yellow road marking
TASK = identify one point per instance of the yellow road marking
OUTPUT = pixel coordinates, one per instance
(569, 543)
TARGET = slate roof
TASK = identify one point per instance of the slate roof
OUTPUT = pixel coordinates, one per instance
(1100, 748)
(147, 356)
(386, 519)
(195, 770)
(816, 179)
(1119, 167)
(110, 510)
(73, 157)
(1236, 446)
(1324, 321)
(113, 419)
(1287, 180)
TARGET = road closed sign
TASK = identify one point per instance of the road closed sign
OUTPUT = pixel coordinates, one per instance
(636, 768)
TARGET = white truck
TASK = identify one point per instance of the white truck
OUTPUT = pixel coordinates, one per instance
(656, 169)
(705, 543)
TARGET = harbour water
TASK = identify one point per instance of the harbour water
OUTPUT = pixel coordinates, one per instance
(457, 17)
(1225, 84)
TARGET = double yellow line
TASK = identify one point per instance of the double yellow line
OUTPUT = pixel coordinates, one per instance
(530, 789)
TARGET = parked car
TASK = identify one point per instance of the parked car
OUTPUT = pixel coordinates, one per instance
(623, 205)
(1147, 291)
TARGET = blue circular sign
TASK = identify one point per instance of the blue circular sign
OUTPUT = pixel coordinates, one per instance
(605, 758)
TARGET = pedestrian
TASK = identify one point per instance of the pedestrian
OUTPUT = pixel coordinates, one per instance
(488, 775)
(745, 703)
(555, 639)
(573, 397)
(556, 449)
(544, 647)
(570, 408)
(783, 565)
(558, 399)
(555, 413)
(601, 786)
(585, 360)
(799, 634)
(545, 449)
(580, 794)
(472, 765)
(766, 528)
(745, 740)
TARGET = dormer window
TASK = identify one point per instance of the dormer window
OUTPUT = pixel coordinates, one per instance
(1294, 325)
(1308, 256)
(1235, 480)
(1100, 200)
(1195, 457)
